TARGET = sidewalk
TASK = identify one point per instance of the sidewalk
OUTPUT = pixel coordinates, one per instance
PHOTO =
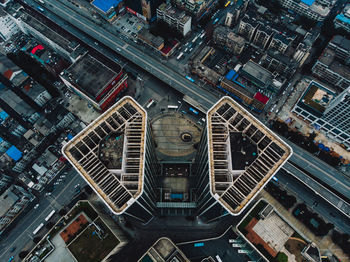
(323, 243)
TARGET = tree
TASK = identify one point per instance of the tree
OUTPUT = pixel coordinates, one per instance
(36, 240)
(23, 254)
(281, 257)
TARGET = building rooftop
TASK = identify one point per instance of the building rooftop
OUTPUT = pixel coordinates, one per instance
(90, 76)
(174, 13)
(164, 250)
(105, 5)
(264, 153)
(316, 98)
(341, 42)
(64, 42)
(258, 72)
(328, 58)
(118, 186)
(7, 200)
(155, 41)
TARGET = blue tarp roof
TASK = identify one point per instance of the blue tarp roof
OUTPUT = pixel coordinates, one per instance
(308, 2)
(3, 116)
(343, 18)
(230, 74)
(69, 136)
(14, 153)
(105, 5)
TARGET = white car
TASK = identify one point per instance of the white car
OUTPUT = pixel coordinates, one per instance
(36, 206)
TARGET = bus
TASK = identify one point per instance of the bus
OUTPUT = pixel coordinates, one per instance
(190, 79)
(193, 111)
(172, 107)
(202, 35)
(228, 2)
(195, 39)
(38, 229)
(40, 2)
(179, 56)
(151, 102)
(40, 9)
(218, 258)
(50, 215)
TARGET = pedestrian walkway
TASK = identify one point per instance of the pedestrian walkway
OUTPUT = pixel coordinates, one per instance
(323, 243)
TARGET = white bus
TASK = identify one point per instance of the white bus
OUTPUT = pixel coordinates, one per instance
(218, 258)
(172, 107)
(50, 215)
(180, 55)
(38, 229)
(151, 102)
(195, 39)
(40, 2)
(202, 35)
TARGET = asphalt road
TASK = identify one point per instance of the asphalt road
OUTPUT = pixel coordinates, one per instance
(153, 66)
(22, 234)
(314, 201)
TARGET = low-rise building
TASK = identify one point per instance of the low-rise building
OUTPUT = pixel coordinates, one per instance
(342, 20)
(196, 8)
(57, 39)
(313, 9)
(100, 84)
(12, 202)
(227, 39)
(332, 70)
(174, 18)
(108, 9)
(156, 42)
(341, 46)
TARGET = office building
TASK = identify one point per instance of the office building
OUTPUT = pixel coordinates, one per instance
(98, 82)
(227, 39)
(174, 18)
(109, 9)
(313, 9)
(8, 26)
(337, 116)
(115, 155)
(331, 69)
(236, 157)
(342, 20)
(164, 250)
(326, 111)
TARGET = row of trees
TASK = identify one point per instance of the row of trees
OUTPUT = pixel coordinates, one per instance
(312, 221)
(306, 142)
(280, 195)
(342, 240)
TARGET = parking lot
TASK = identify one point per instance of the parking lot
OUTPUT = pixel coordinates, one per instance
(129, 25)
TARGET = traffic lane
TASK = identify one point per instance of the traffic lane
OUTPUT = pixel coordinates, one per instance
(22, 234)
(111, 39)
(322, 207)
(318, 188)
(219, 246)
